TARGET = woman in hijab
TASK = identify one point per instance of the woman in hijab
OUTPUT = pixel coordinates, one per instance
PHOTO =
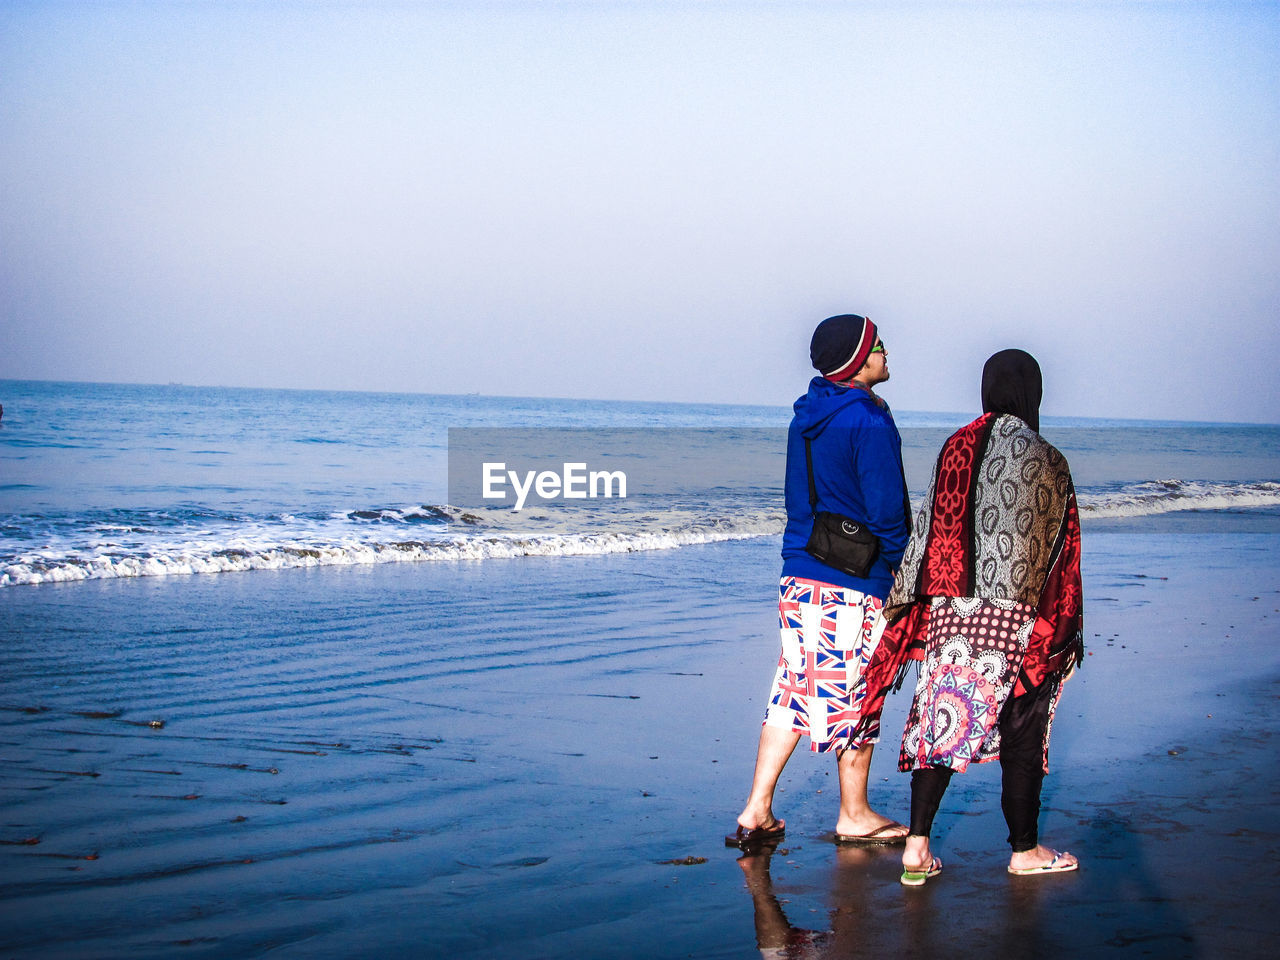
(988, 601)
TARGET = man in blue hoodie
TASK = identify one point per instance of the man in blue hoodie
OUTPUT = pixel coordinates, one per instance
(830, 620)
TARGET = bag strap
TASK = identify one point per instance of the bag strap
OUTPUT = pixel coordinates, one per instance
(813, 489)
(906, 497)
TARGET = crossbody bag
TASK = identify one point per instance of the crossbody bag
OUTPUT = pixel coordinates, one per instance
(837, 540)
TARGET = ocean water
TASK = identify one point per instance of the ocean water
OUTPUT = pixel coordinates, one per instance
(382, 737)
(102, 481)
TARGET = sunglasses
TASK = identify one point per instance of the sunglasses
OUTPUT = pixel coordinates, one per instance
(879, 347)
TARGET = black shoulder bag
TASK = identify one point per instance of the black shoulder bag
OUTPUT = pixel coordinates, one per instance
(836, 540)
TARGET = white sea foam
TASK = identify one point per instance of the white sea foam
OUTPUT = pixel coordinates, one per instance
(189, 558)
(164, 544)
(1170, 496)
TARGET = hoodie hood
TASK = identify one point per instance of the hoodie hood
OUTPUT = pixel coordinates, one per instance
(824, 400)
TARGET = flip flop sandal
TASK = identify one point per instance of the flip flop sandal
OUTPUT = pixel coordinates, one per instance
(917, 878)
(874, 837)
(1056, 865)
(747, 837)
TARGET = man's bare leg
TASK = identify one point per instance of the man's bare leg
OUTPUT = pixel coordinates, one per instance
(856, 816)
(776, 746)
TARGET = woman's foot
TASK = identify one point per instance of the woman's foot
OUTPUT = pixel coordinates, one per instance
(916, 876)
(1041, 859)
(918, 862)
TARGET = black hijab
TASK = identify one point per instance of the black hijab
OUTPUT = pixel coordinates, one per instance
(1011, 384)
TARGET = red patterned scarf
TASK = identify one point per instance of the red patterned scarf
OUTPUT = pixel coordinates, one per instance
(999, 522)
(992, 520)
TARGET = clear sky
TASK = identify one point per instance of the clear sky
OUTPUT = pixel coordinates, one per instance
(646, 200)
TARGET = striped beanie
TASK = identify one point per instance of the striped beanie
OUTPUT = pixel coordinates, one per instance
(841, 345)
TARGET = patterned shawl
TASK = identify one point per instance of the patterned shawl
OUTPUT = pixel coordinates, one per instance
(999, 522)
(991, 521)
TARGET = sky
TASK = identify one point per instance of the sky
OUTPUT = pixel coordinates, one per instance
(648, 201)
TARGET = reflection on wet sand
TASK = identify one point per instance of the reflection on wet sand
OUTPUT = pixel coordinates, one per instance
(852, 929)
(775, 934)
(871, 915)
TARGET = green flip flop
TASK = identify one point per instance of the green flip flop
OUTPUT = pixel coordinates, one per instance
(917, 878)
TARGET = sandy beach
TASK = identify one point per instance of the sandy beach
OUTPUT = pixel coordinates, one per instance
(396, 450)
(501, 759)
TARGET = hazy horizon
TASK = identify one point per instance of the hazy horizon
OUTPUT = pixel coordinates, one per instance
(967, 413)
(643, 201)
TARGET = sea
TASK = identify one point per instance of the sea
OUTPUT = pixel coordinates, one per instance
(277, 679)
(101, 481)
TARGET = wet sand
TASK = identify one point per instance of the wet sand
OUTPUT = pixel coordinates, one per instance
(496, 759)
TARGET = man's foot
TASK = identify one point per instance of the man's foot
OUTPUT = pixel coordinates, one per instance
(747, 838)
(1041, 859)
(870, 828)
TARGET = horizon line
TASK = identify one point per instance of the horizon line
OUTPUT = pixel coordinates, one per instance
(684, 403)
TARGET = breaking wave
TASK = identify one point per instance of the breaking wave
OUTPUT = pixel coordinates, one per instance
(121, 543)
(369, 537)
(1169, 496)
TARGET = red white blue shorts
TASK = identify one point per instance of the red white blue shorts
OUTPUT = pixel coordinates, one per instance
(828, 636)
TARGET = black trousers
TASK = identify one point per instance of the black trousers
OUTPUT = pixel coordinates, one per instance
(1022, 725)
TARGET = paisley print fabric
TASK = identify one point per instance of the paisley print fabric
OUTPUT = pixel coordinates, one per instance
(995, 509)
(972, 657)
(1018, 507)
(999, 526)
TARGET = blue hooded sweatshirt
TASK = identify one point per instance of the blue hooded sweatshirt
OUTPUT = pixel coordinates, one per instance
(857, 467)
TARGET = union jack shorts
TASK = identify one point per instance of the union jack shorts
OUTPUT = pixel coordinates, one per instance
(828, 636)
